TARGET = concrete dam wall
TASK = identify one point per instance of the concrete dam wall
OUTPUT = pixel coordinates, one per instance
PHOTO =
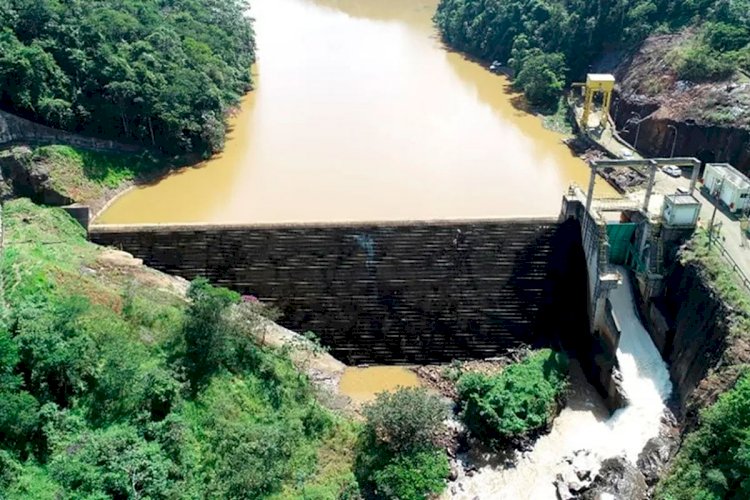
(391, 292)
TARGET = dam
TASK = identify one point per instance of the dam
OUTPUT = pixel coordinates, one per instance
(411, 292)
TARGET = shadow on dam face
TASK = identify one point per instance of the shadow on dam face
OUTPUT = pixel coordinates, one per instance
(389, 293)
(566, 320)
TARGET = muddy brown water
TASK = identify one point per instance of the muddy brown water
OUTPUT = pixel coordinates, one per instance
(363, 384)
(361, 114)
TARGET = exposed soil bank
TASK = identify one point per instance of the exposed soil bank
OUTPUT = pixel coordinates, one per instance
(710, 121)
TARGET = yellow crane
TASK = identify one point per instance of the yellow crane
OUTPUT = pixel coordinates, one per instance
(596, 83)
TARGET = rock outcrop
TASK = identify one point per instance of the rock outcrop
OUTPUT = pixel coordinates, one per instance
(618, 479)
(31, 179)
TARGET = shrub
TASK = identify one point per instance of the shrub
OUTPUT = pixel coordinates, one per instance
(210, 340)
(398, 455)
(114, 462)
(413, 476)
(521, 399)
(714, 461)
(407, 419)
(699, 63)
(726, 37)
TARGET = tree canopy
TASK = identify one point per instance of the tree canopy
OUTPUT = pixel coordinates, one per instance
(111, 387)
(162, 72)
(552, 39)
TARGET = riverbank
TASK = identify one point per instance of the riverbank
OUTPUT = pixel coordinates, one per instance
(59, 175)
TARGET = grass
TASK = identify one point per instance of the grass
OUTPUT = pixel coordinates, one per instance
(721, 277)
(46, 251)
(558, 121)
(85, 176)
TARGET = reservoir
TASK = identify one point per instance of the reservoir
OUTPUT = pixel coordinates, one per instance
(361, 114)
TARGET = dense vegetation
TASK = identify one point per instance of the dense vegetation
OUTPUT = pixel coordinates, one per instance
(714, 462)
(548, 42)
(114, 386)
(524, 398)
(163, 73)
(399, 454)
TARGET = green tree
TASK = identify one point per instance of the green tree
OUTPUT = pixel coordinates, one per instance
(19, 420)
(399, 453)
(211, 341)
(413, 476)
(542, 78)
(714, 461)
(112, 463)
(406, 419)
(57, 356)
(523, 398)
(161, 73)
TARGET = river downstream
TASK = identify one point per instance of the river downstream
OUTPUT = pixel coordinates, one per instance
(361, 114)
(584, 424)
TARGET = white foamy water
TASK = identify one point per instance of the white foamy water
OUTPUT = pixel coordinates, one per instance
(584, 424)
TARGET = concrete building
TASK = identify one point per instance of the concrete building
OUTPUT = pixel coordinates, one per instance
(680, 210)
(728, 185)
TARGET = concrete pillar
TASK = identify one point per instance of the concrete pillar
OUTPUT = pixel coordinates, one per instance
(607, 104)
(592, 182)
(650, 188)
(694, 176)
(587, 103)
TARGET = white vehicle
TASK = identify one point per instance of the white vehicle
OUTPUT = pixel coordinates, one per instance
(672, 170)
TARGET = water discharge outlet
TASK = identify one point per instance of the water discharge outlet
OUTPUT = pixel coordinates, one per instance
(585, 424)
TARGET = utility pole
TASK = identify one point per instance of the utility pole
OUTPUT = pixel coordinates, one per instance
(635, 119)
(713, 216)
(711, 227)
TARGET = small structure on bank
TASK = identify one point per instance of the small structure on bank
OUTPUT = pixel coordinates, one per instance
(728, 185)
(680, 210)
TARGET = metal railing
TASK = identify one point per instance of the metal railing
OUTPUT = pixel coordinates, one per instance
(735, 267)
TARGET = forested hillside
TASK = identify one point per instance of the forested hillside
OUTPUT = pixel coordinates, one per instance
(549, 42)
(113, 384)
(163, 73)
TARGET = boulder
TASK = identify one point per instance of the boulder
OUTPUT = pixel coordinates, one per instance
(653, 460)
(563, 493)
(618, 479)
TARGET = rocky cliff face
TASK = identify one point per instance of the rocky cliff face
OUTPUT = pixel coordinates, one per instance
(695, 330)
(710, 121)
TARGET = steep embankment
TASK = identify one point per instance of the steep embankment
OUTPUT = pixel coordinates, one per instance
(711, 118)
(61, 175)
(701, 325)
